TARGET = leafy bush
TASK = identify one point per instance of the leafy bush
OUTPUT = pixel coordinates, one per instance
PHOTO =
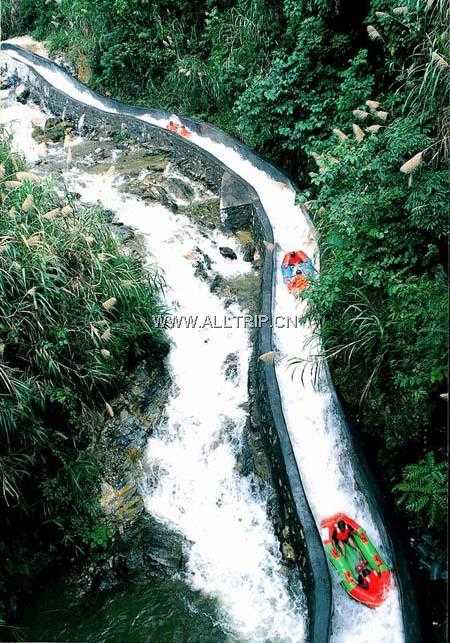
(423, 488)
(289, 105)
(379, 200)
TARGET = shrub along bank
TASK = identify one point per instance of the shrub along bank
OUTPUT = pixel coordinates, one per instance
(74, 317)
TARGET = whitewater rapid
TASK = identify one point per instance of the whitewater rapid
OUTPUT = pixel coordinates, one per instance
(192, 481)
(191, 461)
(315, 423)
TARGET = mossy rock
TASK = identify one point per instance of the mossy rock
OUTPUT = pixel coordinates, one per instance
(245, 237)
(246, 290)
(206, 213)
(53, 131)
(133, 165)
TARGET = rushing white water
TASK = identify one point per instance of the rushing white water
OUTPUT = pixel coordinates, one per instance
(20, 125)
(191, 461)
(193, 484)
(314, 422)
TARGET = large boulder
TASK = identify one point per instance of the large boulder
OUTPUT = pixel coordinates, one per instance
(228, 253)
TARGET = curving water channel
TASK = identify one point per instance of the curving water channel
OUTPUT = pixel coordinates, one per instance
(315, 422)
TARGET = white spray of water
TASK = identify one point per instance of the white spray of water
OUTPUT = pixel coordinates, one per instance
(63, 82)
(20, 127)
(80, 123)
(313, 420)
(191, 460)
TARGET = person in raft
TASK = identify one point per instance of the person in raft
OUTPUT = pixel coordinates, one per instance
(363, 571)
(296, 257)
(298, 282)
(183, 131)
(172, 126)
(342, 535)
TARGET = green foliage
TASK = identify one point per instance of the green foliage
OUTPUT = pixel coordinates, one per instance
(423, 490)
(194, 57)
(7, 21)
(416, 43)
(382, 299)
(75, 315)
(289, 106)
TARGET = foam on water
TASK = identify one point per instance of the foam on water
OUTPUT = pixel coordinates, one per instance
(193, 484)
(20, 125)
(314, 422)
(53, 76)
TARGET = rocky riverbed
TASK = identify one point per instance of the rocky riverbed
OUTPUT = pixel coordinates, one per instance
(143, 550)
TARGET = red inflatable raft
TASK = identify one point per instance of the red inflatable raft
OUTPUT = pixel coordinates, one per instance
(297, 270)
(364, 575)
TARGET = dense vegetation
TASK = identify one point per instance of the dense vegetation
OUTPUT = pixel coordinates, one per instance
(380, 202)
(74, 315)
(352, 99)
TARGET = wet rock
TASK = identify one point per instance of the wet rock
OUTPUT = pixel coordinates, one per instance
(141, 546)
(149, 549)
(158, 193)
(206, 213)
(136, 412)
(101, 153)
(22, 93)
(6, 82)
(252, 457)
(131, 432)
(245, 237)
(110, 217)
(228, 253)
(202, 265)
(249, 247)
(54, 131)
(246, 291)
(178, 189)
(249, 253)
(85, 153)
(238, 218)
(218, 285)
(288, 552)
(145, 550)
(152, 162)
(134, 160)
(231, 366)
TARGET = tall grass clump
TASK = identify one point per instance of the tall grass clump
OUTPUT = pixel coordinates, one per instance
(75, 315)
